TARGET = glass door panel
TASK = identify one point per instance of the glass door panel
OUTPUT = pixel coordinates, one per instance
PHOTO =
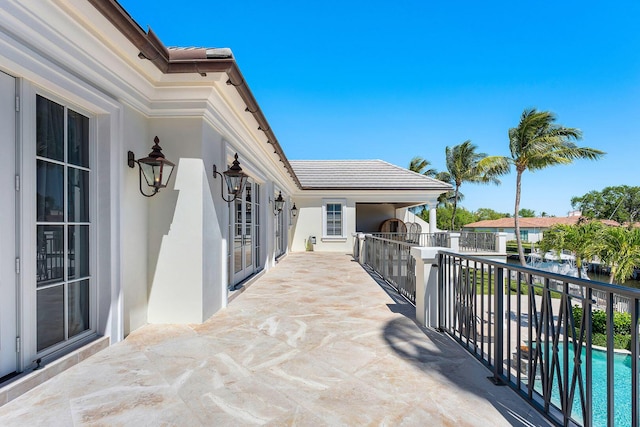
(237, 237)
(245, 233)
(63, 225)
(248, 229)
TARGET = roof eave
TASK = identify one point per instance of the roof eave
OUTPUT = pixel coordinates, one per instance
(372, 188)
(153, 49)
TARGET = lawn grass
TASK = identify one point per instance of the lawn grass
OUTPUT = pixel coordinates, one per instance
(482, 285)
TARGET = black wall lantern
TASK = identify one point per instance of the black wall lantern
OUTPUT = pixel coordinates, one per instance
(235, 179)
(278, 204)
(294, 211)
(155, 168)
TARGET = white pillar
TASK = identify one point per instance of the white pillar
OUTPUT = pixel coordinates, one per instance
(455, 241)
(426, 285)
(189, 284)
(432, 220)
(358, 247)
(501, 243)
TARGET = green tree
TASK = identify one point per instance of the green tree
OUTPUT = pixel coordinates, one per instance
(464, 164)
(583, 240)
(619, 203)
(527, 213)
(538, 143)
(444, 215)
(486, 213)
(620, 251)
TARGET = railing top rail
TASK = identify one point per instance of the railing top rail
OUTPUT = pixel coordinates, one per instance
(477, 233)
(405, 233)
(402, 242)
(618, 289)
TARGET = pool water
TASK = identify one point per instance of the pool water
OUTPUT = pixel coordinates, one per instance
(622, 391)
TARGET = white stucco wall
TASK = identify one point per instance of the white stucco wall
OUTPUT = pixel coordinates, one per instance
(135, 223)
(310, 221)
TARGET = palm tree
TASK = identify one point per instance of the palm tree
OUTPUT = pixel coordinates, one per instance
(418, 165)
(621, 251)
(446, 198)
(537, 143)
(466, 165)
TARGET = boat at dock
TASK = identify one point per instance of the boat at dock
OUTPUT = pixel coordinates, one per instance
(558, 263)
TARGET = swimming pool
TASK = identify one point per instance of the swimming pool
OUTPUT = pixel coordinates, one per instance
(622, 392)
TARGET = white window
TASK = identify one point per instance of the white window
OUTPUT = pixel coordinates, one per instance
(333, 218)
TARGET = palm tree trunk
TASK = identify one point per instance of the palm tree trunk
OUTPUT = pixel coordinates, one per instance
(455, 207)
(579, 265)
(523, 261)
(612, 273)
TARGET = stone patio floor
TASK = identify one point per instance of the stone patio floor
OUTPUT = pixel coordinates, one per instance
(315, 341)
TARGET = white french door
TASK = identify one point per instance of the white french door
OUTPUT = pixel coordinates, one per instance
(245, 233)
(8, 301)
(63, 225)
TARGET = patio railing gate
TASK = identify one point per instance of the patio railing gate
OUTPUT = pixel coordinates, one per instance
(471, 241)
(392, 261)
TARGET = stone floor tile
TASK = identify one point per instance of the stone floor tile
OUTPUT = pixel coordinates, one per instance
(316, 341)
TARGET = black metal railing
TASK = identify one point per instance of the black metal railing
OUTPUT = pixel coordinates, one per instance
(391, 259)
(538, 332)
(471, 241)
(418, 239)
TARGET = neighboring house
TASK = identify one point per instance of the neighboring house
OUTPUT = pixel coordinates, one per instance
(84, 254)
(531, 229)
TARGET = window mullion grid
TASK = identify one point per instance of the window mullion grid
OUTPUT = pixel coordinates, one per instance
(65, 204)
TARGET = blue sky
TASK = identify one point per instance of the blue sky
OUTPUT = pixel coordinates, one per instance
(393, 80)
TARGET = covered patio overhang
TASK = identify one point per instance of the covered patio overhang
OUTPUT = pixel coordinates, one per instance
(371, 215)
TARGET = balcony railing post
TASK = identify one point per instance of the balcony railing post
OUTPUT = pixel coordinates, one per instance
(610, 373)
(635, 353)
(441, 290)
(454, 241)
(427, 289)
(501, 243)
(498, 327)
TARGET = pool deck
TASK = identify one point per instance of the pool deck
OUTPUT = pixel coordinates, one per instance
(315, 341)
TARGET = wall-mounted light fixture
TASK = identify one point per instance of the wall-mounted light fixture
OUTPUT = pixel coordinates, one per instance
(294, 211)
(155, 168)
(235, 179)
(278, 204)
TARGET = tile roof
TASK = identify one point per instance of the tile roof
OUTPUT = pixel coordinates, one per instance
(361, 175)
(545, 222)
(193, 53)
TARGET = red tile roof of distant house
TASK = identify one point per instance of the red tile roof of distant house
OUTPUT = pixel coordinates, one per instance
(538, 222)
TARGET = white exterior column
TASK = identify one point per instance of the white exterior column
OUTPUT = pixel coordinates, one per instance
(455, 241)
(189, 285)
(501, 243)
(426, 285)
(359, 247)
(432, 220)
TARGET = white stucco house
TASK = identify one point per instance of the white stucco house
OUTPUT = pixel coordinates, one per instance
(84, 255)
